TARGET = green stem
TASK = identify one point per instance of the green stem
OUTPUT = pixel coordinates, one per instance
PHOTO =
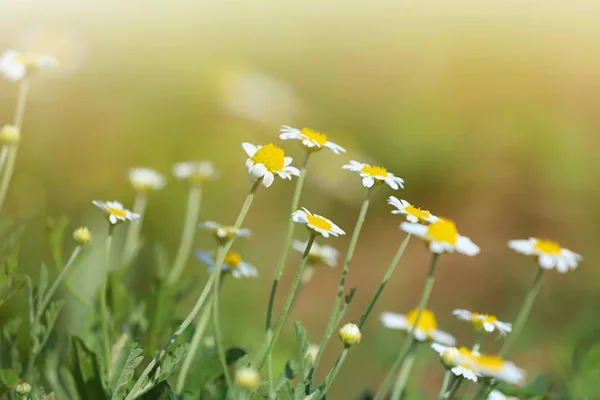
(3, 156)
(332, 374)
(187, 236)
(459, 381)
(136, 389)
(478, 339)
(58, 280)
(105, 335)
(288, 302)
(385, 280)
(217, 331)
(132, 239)
(523, 313)
(404, 374)
(445, 384)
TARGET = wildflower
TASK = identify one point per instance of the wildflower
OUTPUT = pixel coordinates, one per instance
(311, 139)
(413, 214)
(426, 328)
(144, 179)
(195, 171)
(549, 254)
(442, 237)
(232, 263)
(15, 65)
(312, 351)
(457, 360)
(372, 174)
(350, 335)
(485, 322)
(82, 235)
(318, 253)
(223, 233)
(317, 224)
(115, 212)
(23, 388)
(498, 395)
(247, 378)
(266, 161)
(10, 134)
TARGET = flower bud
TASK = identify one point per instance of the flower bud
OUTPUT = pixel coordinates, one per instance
(247, 378)
(10, 134)
(82, 235)
(350, 335)
(23, 388)
(450, 357)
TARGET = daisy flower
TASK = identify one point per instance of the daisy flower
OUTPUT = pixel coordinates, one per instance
(425, 330)
(372, 174)
(457, 360)
(496, 367)
(144, 179)
(413, 214)
(223, 233)
(233, 263)
(115, 212)
(318, 253)
(15, 65)
(266, 161)
(486, 322)
(549, 254)
(317, 224)
(311, 139)
(442, 237)
(196, 171)
(498, 395)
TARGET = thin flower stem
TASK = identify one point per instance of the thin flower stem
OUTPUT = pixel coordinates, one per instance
(385, 280)
(58, 280)
(136, 390)
(288, 302)
(454, 390)
(187, 235)
(3, 156)
(217, 331)
(445, 384)
(332, 374)
(523, 313)
(132, 239)
(409, 343)
(478, 340)
(105, 335)
(405, 370)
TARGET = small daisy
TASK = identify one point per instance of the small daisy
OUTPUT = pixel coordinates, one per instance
(15, 65)
(426, 329)
(144, 179)
(549, 254)
(413, 214)
(115, 212)
(266, 161)
(223, 233)
(233, 263)
(496, 367)
(442, 237)
(196, 171)
(458, 360)
(318, 253)
(486, 322)
(317, 224)
(372, 174)
(498, 395)
(311, 139)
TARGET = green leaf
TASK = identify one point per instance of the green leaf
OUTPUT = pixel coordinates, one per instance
(45, 329)
(302, 345)
(10, 264)
(134, 359)
(162, 391)
(56, 235)
(68, 383)
(9, 289)
(87, 372)
(291, 369)
(8, 380)
(120, 297)
(171, 362)
(9, 247)
(41, 288)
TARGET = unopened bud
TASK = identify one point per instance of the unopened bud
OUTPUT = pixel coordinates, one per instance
(10, 134)
(247, 378)
(82, 235)
(350, 335)
(23, 388)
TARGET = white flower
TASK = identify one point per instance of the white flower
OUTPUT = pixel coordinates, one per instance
(426, 328)
(486, 322)
(266, 161)
(223, 233)
(115, 212)
(457, 360)
(413, 214)
(233, 263)
(317, 224)
(318, 253)
(197, 171)
(372, 174)
(498, 395)
(15, 65)
(442, 237)
(350, 335)
(311, 139)
(146, 179)
(548, 253)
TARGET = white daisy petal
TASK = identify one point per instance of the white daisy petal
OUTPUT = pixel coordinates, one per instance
(268, 178)
(249, 148)
(414, 229)
(393, 321)
(442, 337)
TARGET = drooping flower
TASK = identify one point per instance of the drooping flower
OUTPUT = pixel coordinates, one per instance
(372, 174)
(145, 179)
(457, 360)
(413, 214)
(15, 65)
(498, 395)
(442, 237)
(311, 139)
(318, 253)
(232, 263)
(549, 254)
(195, 171)
(115, 212)
(426, 328)
(485, 322)
(223, 233)
(317, 224)
(265, 162)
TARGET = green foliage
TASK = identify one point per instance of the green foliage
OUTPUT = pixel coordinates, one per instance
(56, 229)
(86, 371)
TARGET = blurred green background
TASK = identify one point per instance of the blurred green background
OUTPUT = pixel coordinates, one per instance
(488, 110)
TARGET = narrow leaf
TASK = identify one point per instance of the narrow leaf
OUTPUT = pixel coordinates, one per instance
(87, 372)
(134, 359)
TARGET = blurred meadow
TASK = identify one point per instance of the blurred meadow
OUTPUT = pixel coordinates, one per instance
(490, 112)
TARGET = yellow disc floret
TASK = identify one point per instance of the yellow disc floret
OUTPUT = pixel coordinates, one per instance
(547, 246)
(443, 230)
(374, 170)
(233, 259)
(417, 212)
(480, 319)
(117, 212)
(490, 362)
(427, 321)
(315, 136)
(271, 156)
(319, 222)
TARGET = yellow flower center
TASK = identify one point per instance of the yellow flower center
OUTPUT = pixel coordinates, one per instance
(232, 259)
(271, 156)
(487, 318)
(547, 246)
(315, 136)
(319, 222)
(427, 321)
(417, 212)
(443, 230)
(468, 354)
(491, 362)
(117, 212)
(374, 170)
